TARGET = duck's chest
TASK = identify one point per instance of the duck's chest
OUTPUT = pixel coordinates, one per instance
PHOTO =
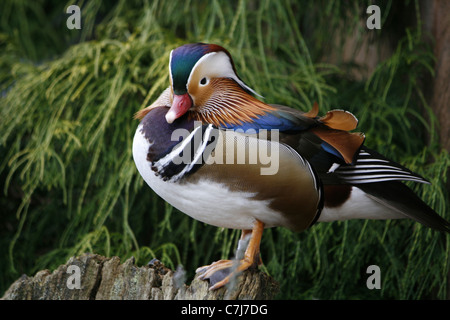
(176, 164)
(201, 197)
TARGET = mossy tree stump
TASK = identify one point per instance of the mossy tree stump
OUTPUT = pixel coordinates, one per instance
(101, 278)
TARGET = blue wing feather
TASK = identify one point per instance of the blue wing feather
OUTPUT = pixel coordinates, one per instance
(286, 121)
(278, 120)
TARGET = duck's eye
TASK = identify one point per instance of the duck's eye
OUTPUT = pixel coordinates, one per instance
(204, 81)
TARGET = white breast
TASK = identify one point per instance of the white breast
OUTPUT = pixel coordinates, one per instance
(206, 201)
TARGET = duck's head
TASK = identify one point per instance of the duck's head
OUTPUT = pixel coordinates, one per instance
(204, 83)
(201, 74)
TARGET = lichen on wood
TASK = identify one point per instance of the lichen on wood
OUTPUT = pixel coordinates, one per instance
(104, 278)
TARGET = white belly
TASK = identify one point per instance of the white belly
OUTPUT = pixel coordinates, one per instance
(206, 201)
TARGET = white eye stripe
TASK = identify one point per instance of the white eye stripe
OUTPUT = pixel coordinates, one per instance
(218, 65)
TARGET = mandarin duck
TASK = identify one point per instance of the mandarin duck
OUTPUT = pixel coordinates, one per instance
(213, 150)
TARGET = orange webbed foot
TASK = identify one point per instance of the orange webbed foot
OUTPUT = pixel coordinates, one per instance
(221, 272)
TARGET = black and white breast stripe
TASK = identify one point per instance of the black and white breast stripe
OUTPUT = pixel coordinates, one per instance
(372, 167)
(186, 157)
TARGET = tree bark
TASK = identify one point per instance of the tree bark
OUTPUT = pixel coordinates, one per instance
(437, 23)
(102, 278)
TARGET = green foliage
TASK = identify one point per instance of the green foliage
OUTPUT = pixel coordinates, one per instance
(69, 184)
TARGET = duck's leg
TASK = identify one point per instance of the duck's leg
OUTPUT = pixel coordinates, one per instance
(207, 271)
(251, 257)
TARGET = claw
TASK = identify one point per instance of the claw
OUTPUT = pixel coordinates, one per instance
(221, 272)
(242, 265)
(215, 266)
